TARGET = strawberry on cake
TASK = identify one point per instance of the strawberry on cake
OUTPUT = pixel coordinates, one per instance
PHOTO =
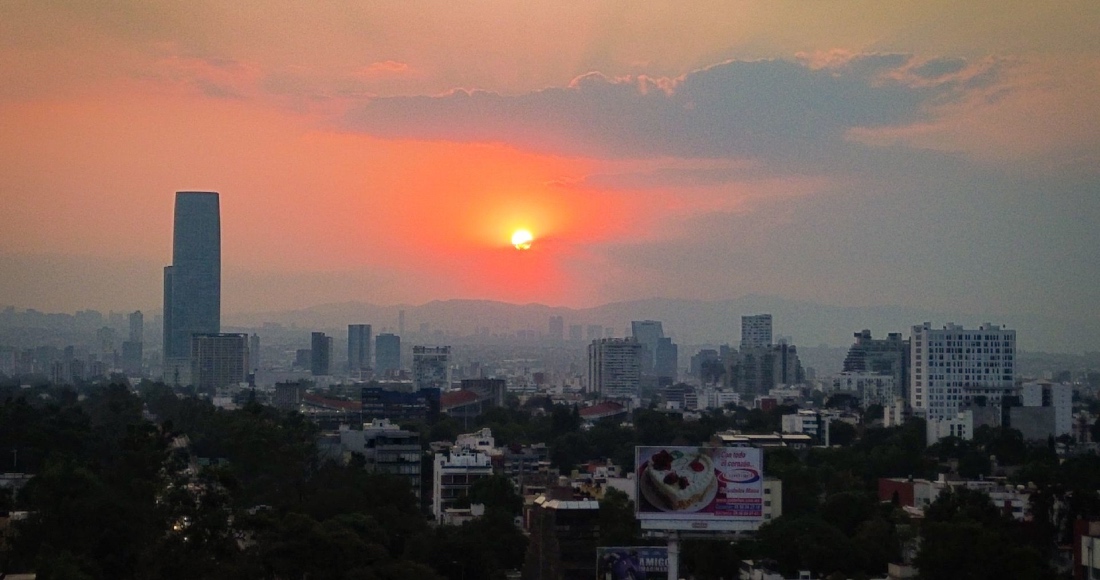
(680, 480)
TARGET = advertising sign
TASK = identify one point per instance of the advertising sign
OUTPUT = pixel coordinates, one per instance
(699, 488)
(633, 563)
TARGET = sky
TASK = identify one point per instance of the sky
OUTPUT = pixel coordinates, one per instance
(943, 155)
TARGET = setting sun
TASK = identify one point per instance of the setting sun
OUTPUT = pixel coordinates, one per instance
(521, 239)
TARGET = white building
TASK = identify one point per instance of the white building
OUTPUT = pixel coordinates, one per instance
(809, 422)
(961, 426)
(454, 473)
(482, 441)
(954, 366)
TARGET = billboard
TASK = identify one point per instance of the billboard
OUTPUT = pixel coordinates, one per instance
(632, 563)
(699, 488)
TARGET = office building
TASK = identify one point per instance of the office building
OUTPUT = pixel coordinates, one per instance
(556, 328)
(359, 358)
(192, 284)
(666, 359)
(615, 368)
(137, 326)
(757, 370)
(399, 406)
(647, 333)
(953, 367)
(218, 360)
(289, 396)
(756, 331)
(387, 352)
(431, 367)
(889, 356)
(320, 354)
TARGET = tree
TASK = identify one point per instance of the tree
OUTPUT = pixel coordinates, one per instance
(618, 524)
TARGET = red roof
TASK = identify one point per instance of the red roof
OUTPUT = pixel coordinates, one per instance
(328, 403)
(604, 409)
(453, 399)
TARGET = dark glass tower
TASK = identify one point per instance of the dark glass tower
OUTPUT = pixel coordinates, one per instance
(192, 284)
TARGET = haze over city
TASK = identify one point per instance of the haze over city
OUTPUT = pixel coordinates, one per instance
(925, 155)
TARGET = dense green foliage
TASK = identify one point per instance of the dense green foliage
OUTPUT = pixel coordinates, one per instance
(206, 493)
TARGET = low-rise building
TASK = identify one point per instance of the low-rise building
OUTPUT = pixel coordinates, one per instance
(387, 449)
(455, 471)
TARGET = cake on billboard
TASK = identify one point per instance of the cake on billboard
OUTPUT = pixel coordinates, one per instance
(700, 487)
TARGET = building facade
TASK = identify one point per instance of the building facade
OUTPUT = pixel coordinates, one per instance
(432, 367)
(955, 366)
(192, 284)
(359, 338)
(218, 360)
(387, 354)
(615, 368)
(889, 356)
(454, 473)
(320, 354)
(756, 331)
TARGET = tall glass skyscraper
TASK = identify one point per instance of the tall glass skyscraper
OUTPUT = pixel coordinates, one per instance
(192, 284)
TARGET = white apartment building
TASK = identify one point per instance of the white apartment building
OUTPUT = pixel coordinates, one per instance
(454, 473)
(953, 366)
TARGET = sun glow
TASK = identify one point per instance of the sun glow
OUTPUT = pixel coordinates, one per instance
(522, 239)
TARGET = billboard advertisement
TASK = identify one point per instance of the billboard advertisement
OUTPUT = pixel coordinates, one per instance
(699, 488)
(632, 563)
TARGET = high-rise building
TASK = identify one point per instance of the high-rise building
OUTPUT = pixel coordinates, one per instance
(557, 328)
(432, 367)
(218, 360)
(594, 332)
(137, 326)
(615, 368)
(647, 333)
(254, 353)
(666, 359)
(757, 370)
(953, 367)
(192, 284)
(756, 331)
(387, 353)
(889, 356)
(359, 347)
(320, 354)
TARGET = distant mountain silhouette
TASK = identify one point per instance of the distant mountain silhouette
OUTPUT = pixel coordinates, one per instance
(689, 321)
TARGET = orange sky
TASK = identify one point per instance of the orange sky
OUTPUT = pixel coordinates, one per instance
(391, 149)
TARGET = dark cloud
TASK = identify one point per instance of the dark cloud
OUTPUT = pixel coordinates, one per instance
(939, 67)
(769, 108)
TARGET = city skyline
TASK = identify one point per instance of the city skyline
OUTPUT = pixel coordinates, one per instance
(933, 156)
